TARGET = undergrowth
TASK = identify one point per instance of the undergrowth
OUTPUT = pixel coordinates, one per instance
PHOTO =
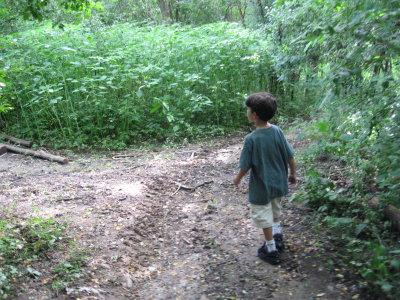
(338, 184)
(67, 271)
(24, 242)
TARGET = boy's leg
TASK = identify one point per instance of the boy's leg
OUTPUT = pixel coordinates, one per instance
(268, 234)
(262, 217)
(268, 251)
(269, 239)
(276, 225)
(276, 212)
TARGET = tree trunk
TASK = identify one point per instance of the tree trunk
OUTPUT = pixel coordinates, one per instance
(261, 9)
(242, 12)
(165, 7)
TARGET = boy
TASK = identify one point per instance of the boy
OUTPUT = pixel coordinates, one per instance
(267, 153)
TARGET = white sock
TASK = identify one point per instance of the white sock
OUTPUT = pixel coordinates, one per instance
(276, 228)
(270, 245)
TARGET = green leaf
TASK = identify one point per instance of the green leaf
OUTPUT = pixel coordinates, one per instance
(386, 286)
(98, 5)
(68, 49)
(170, 118)
(395, 263)
(343, 220)
(346, 137)
(156, 107)
(360, 228)
(396, 172)
(323, 127)
(166, 106)
(307, 46)
(33, 272)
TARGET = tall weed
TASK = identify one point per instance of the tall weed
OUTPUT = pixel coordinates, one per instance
(121, 84)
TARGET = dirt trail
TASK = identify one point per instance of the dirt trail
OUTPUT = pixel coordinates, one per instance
(149, 236)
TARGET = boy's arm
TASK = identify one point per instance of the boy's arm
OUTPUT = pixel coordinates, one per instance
(292, 171)
(239, 177)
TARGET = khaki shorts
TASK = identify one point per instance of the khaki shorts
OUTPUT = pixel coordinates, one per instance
(262, 215)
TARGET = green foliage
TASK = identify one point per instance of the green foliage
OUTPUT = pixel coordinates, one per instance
(126, 83)
(38, 8)
(363, 239)
(326, 198)
(339, 60)
(21, 242)
(127, 11)
(340, 200)
(14, 14)
(383, 270)
(335, 62)
(108, 12)
(28, 239)
(68, 271)
(209, 11)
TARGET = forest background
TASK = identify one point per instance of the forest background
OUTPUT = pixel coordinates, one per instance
(89, 75)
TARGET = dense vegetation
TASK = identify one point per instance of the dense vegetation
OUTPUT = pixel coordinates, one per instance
(125, 83)
(121, 77)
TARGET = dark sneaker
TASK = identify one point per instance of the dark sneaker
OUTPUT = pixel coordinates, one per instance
(280, 245)
(270, 257)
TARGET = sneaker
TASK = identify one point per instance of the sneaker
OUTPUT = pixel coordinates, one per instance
(279, 241)
(270, 257)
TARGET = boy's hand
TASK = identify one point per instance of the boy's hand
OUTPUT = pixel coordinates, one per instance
(292, 173)
(236, 181)
(239, 177)
(292, 178)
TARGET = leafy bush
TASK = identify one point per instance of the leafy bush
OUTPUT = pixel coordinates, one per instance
(360, 236)
(23, 241)
(125, 83)
(68, 271)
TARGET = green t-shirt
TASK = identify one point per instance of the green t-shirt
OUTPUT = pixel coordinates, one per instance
(266, 153)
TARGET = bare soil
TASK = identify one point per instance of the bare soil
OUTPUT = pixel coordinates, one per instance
(164, 224)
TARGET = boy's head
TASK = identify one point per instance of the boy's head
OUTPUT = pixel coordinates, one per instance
(263, 104)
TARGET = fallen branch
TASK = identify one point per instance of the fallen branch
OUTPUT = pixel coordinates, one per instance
(189, 188)
(3, 149)
(16, 140)
(124, 155)
(186, 151)
(297, 224)
(179, 187)
(228, 261)
(39, 154)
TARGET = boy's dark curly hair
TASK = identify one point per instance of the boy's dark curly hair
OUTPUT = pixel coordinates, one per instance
(263, 104)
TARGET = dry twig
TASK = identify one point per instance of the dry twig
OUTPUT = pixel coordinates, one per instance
(190, 188)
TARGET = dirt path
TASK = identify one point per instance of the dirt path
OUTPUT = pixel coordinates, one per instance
(149, 236)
